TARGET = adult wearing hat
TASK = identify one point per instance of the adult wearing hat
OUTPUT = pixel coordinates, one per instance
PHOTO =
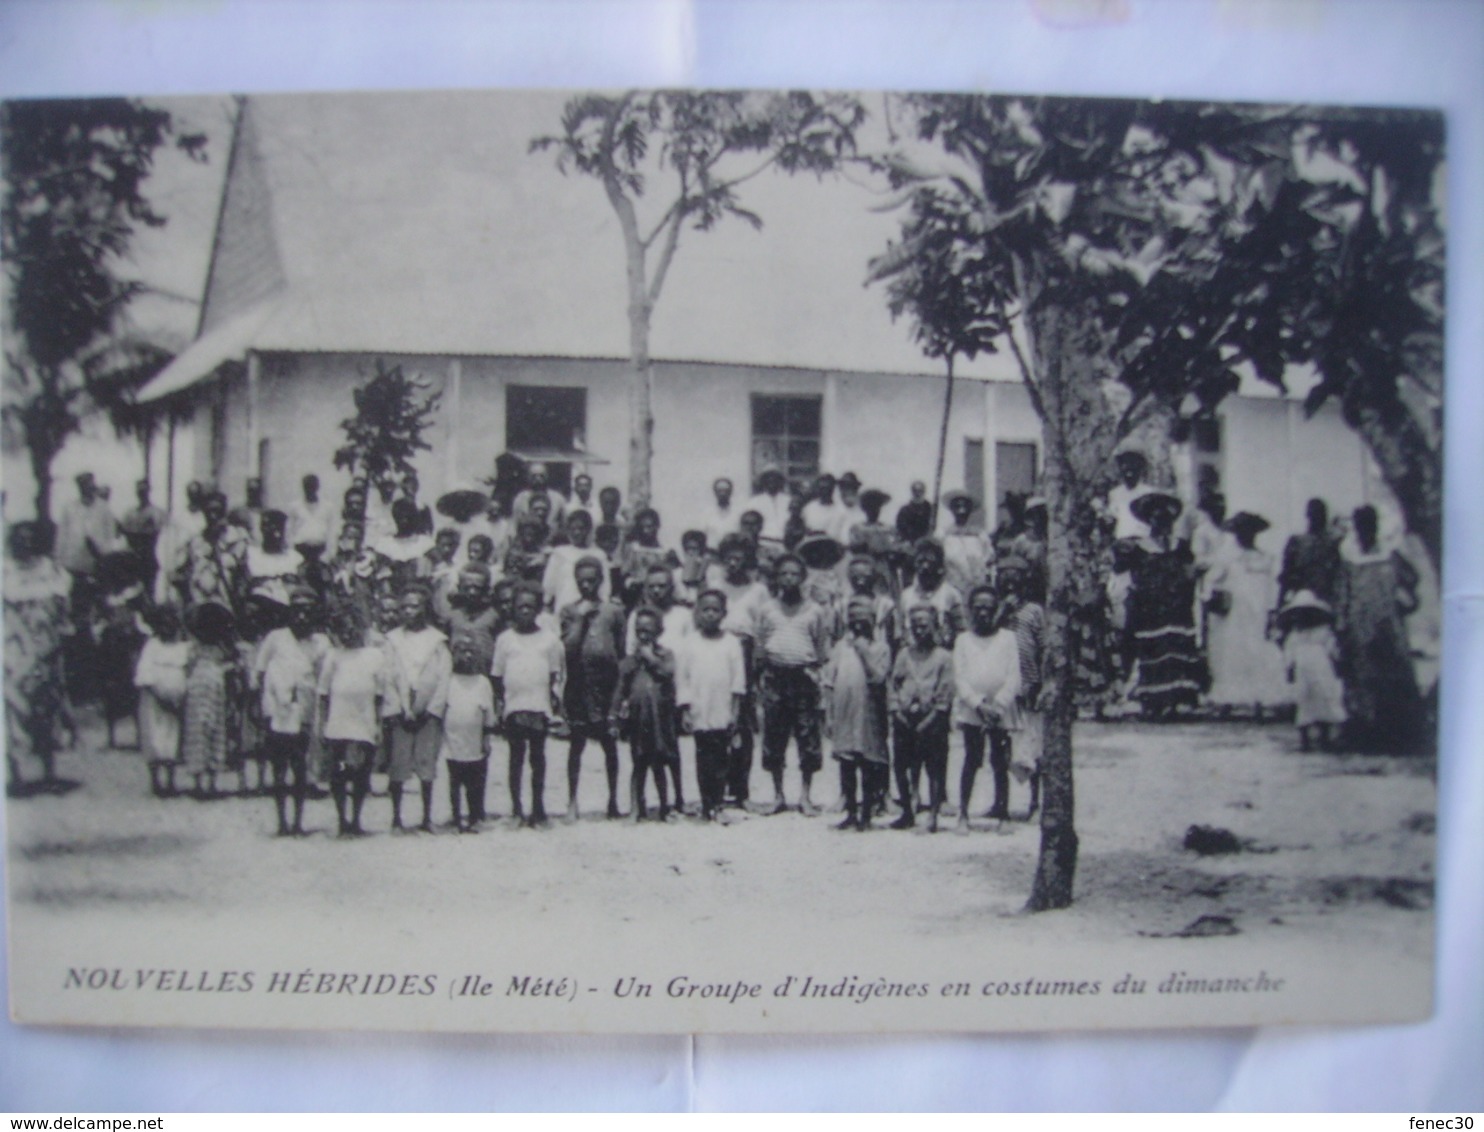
(1030, 544)
(1242, 592)
(967, 553)
(771, 502)
(1133, 469)
(851, 512)
(1170, 672)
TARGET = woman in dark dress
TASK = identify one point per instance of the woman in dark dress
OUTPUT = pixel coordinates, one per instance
(1377, 592)
(1161, 613)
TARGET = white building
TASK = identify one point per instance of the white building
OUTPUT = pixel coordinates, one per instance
(417, 229)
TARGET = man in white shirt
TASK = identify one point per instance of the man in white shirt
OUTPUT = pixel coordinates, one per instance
(1132, 468)
(536, 481)
(771, 502)
(850, 508)
(822, 513)
(722, 519)
(310, 518)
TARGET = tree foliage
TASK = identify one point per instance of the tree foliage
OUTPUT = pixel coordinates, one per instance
(1198, 238)
(681, 158)
(1134, 256)
(393, 411)
(76, 174)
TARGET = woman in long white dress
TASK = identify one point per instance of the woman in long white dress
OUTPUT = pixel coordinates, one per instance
(1242, 587)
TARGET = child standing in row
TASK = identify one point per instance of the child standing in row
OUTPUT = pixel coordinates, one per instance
(285, 677)
(160, 676)
(593, 640)
(712, 687)
(986, 677)
(529, 671)
(469, 721)
(920, 696)
(792, 647)
(1027, 618)
(423, 667)
(357, 691)
(854, 681)
(644, 711)
(1311, 653)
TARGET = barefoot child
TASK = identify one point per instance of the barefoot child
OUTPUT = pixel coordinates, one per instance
(286, 678)
(592, 632)
(712, 687)
(745, 596)
(792, 647)
(1310, 652)
(357, 691)
(854, 682)
(1016, 579)
(677, 624)
(160, 676)
(986, 678)
(423, 666)
(920, 696)
(529, 671)
(468, 725)
(644, 710)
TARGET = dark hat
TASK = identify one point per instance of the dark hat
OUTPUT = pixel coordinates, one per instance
(462, 503)
(210, 619)
(874, 497)
(849, 479)
(1145, 506)
(1247, 521)
(820, 552)
(1132, 456)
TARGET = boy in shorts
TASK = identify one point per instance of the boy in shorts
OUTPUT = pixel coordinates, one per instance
(356, 692)
(423, 666)
(529, 672)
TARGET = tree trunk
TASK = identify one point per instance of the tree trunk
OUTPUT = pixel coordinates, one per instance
(1078, 432)
(641, 410)
(942, 443)
(1413, 469)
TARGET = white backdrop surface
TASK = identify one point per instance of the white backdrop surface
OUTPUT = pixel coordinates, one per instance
(1379, 52)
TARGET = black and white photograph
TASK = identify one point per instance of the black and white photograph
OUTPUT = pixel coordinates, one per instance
(689, 559)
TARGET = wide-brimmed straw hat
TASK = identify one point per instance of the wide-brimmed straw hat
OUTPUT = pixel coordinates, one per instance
(1306, 599)
(820, 552)
(957, 493)
(463, 502)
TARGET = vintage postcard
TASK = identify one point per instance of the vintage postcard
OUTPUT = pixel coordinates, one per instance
(720, 561)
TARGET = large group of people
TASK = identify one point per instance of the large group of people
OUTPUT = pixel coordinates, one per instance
(383, 641)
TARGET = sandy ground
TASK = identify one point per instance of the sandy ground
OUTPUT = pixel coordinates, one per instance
(1333, 846)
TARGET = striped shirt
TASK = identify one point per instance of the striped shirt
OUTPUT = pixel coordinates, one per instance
(793, 637)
